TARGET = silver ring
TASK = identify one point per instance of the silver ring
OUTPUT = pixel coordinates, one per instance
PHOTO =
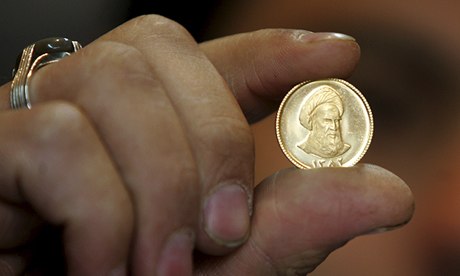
(34, 57)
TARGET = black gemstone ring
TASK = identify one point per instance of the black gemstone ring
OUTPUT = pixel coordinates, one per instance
(34, 57)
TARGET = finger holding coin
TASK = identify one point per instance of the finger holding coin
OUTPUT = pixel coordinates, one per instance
(324, 123)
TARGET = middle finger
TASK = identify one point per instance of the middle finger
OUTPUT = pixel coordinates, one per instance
(218, 133)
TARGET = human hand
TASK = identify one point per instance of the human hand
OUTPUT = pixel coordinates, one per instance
(300, 216)
(100, 130)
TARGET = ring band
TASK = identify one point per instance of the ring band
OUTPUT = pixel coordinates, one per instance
(34, 57)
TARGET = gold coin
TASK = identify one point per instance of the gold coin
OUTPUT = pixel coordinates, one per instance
(324, 123)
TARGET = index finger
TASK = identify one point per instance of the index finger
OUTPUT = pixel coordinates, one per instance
(260, 67)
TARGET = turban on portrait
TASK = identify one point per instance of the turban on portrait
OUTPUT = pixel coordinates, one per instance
(321, 95)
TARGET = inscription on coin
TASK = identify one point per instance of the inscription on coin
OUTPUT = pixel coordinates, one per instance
(325, 123)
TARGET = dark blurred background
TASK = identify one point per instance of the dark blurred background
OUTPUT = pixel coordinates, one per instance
(23, 21)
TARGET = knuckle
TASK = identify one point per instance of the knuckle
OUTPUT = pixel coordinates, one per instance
(115, 58)
(117, 66)
(228, 137)
(160, 25)
(57, 125)
(183, 172)
(100, 67)
(177, 159)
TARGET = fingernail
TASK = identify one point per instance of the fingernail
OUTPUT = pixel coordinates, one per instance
(386, 229)
(300, 34)
(330, 36)
(226, 215)
(176, 257)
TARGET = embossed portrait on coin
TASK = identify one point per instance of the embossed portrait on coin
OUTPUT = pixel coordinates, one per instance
(321, 115)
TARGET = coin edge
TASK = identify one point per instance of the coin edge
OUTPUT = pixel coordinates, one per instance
(298, 86)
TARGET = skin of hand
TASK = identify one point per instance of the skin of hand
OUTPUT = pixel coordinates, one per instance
(137, 145)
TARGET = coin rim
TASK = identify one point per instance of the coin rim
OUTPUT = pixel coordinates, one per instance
(293, 90)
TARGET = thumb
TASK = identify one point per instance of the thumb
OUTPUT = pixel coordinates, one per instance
(303, 215)
(262, 66)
